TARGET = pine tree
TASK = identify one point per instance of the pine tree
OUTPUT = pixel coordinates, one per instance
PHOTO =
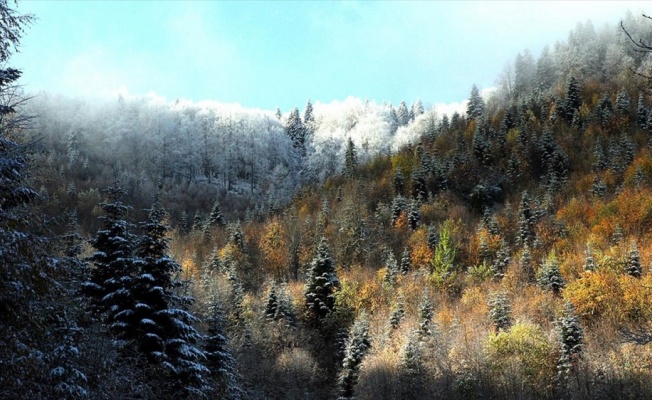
(475, 106)
(399, 206)
(433, 237)
(357, 346)
(633, 262)
(322, 283)
(417, 109)
(500, 311)
(419, 186)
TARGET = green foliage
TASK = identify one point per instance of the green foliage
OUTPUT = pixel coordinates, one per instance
(444, 271)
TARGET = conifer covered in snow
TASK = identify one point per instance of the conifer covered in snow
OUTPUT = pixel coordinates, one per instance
(322, 283)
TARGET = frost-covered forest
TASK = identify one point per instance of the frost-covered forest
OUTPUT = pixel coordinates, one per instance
(157, 249)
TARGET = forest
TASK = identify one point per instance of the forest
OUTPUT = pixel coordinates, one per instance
(156, 249)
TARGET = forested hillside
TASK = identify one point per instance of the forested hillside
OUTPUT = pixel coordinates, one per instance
(198, 250)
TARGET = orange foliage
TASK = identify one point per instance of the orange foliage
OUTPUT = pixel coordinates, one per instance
(273, 247)
(420, 253)
(595, 293)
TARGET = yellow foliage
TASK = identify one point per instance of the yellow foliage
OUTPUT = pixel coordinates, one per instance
(273, 247)
(523, 350)
(595, 293)
(420, 252)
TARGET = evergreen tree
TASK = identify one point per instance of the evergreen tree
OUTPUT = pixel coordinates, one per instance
(398, 313)
(399, 183)
(215, 218)
(633, 262)
(406, 261)
(162, 325)
(526, 263)
(219, 359)
(419, 186)
(296, 129)
(550, 277)
(308, 117)
(236, 235)
(357, 346)
(642, 112)
(322, 283)
(589, 263)
(417, 109)
(433, 237)
(573, 98)
(526, 221)
(402, 114)
(110, 281)
(278, 114)
(414, 216)
(623, 102)
(392, 271)
(350, 160)
(271, 306)
(502, 260)
(475, 105)
(184, 229)
(571, 340)
(399, 206)
(500, 311)
(425, 317)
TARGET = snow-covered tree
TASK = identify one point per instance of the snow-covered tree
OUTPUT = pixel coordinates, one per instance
(322, 283)
(357, 346)
(500, 311)
(475, 105)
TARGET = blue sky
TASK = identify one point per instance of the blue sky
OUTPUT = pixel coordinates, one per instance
(278, 54)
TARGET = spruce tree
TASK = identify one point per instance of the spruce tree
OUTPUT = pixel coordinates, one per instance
(589, 263)
(526, 221)
(322, 283)
(271, 306)
(414, 216)
(502, 260)
(406, 261)
(402, 114)
(163, 324)
(216, 218)
(633, 262)
(350, 160)
(392, 271)
(573, 99)
(475, 106)
(111, 279)
(500, 311)
(398, 313)
(571, 340)
(425, 317)
(642, 112)
(219, 359)
(549, 275)
(357, 346)
(296, 129)
(623, 102)
(399, 183)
